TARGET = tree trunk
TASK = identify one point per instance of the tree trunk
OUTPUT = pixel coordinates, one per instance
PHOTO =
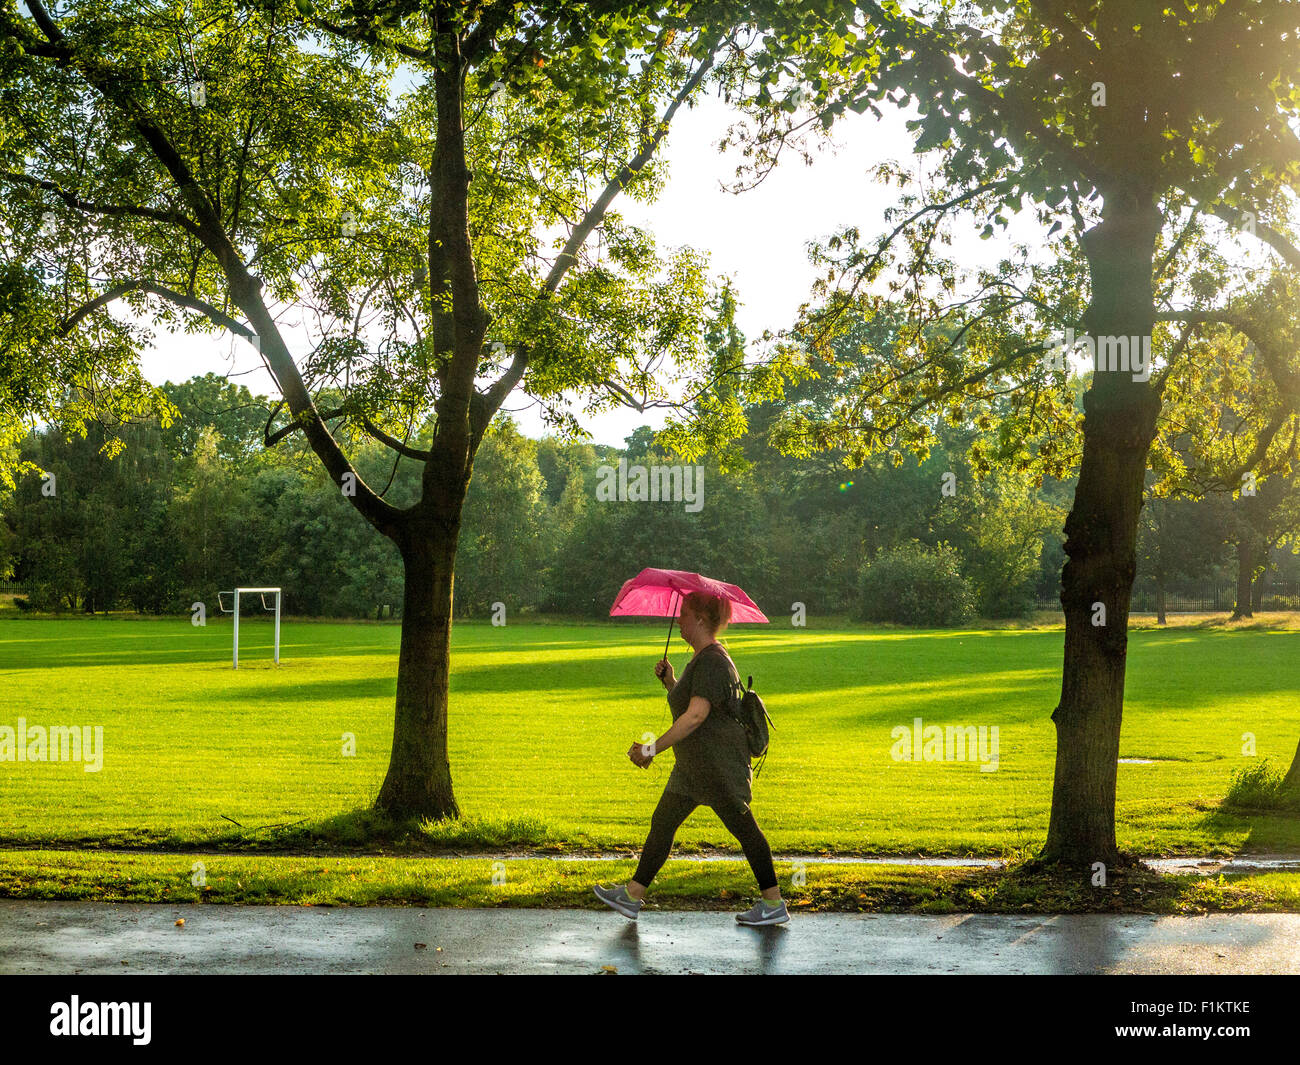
(1101, 543)
(418, 783)
(1291, 782)
(1245, 570)
(1260, 586)
(1160, 600)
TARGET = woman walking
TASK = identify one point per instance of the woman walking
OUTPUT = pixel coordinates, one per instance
(712, 764)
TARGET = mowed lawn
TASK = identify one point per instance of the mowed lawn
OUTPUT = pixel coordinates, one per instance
(542, 715)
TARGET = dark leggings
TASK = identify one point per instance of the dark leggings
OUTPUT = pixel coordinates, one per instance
(675, 808)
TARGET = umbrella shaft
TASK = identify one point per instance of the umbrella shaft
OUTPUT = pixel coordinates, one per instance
(671, 619)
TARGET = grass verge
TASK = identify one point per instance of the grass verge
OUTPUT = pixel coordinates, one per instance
(683, 885)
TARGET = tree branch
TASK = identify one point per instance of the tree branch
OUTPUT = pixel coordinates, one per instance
(270, 439)
(244, 288)
(1286, 379)
(363, 35)
(189, 301)
(1270, 236)
(497, 393)
(111, 210)
(392, 442)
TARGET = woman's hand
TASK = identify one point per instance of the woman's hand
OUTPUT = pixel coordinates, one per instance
(640, 754)
(664, 671)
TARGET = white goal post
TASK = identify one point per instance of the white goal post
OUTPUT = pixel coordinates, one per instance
(263, 592)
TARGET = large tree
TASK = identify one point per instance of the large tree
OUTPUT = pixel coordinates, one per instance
(404, 203)
(1105, 120)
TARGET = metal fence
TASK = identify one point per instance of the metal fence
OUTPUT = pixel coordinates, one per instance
(1202, 598)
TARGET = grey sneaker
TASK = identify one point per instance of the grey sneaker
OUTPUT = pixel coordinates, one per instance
(765, 913)
(617, 898)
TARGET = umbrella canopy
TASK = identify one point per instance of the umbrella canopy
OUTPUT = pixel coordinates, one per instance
(658, 593)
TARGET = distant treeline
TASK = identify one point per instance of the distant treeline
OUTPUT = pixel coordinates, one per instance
(184, 511)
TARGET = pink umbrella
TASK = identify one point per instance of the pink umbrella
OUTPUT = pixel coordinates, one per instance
(657, 593)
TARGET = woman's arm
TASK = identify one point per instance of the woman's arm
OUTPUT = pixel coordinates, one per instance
(689, 721)
(694, 717)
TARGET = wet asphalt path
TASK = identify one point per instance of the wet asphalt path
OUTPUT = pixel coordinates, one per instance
(75, 937)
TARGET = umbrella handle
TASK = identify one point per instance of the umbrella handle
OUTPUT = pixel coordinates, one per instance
(671, 619)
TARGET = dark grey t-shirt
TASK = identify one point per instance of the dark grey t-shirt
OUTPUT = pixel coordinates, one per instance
(712, 763)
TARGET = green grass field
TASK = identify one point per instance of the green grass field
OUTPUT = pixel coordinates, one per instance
(542, 715)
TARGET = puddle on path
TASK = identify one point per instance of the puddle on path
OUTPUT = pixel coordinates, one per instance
(1214, 866)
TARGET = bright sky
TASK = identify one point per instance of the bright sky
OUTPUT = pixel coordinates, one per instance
(757, 237)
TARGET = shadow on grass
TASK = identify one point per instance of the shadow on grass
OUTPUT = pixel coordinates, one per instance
(359, 831)
(416, 881)
(1266, 829)
(1258, 801)
(1025, 887)
(317, 692)
(369, 828)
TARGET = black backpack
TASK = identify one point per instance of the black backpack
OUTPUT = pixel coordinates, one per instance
(752, 714)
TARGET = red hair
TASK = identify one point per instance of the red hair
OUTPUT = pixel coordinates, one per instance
(713, 610)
